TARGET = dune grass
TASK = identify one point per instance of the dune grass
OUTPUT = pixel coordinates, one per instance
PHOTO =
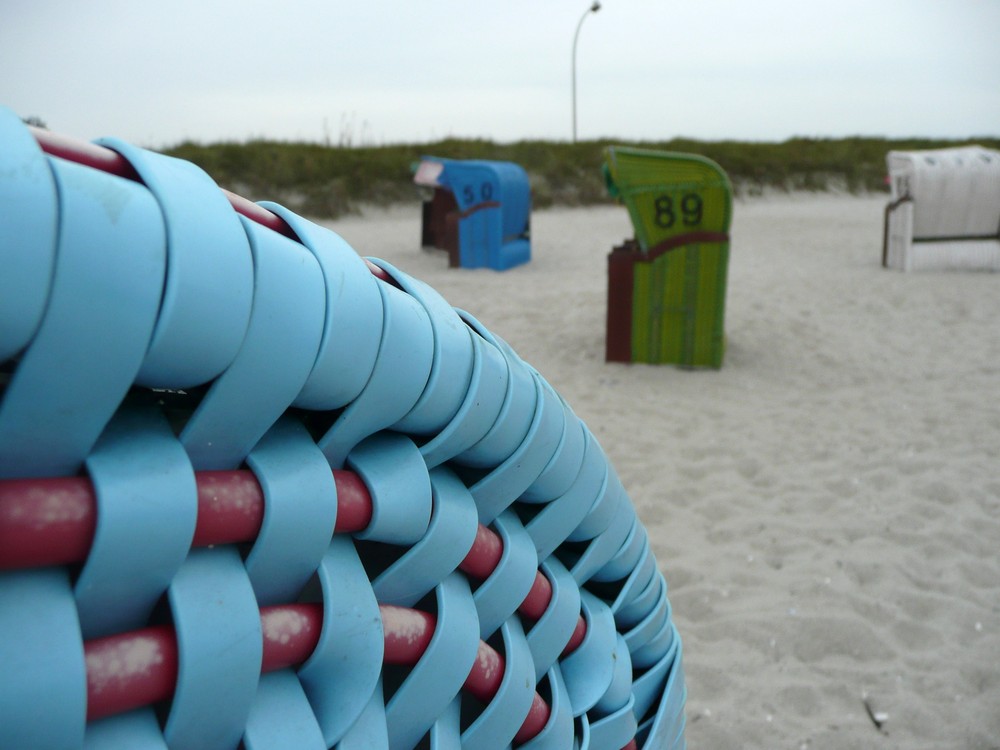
(327, 181)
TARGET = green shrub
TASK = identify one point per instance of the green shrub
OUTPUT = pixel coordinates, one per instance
(327, 181)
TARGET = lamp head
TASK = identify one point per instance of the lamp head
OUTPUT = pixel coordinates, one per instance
(595, 7)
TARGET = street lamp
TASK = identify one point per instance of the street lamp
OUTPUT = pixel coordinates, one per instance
(592, 9)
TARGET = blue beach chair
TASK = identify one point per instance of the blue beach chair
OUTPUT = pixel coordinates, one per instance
(479, 211)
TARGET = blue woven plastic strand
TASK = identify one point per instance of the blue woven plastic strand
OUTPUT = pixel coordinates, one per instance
(353, 317)
(147, 504)
(451, 366)
(635, 611)
(555, 476)
(627, 557)
(548, 637)
(449, 537)
(300, 502)
(498, 596)
(558, 518)
(499, 488)
(209, 284)
(615, 730)
(648, 687)
(666, 728)
(619, 692)
(649, 626)
(558, 475)
(399, 485)
(582, 732)
(657, 646)
(496, 726)
(604, 546)
(604, 509)
(135, 730)
(401, 371)
(479, 411)
(515, 417)
(446, 734)
(636, 582)
(558, 731)
(43, 690)
(96, 328)
(369, 732)
(281, 716)
(219, 648)
(342, 672)
(286, 325)
(588, 671)
(436, 679)
(28, 225)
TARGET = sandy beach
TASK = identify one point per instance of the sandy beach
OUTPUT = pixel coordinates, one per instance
(826, 507)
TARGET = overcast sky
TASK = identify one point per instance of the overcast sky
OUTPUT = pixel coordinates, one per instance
(382, 71)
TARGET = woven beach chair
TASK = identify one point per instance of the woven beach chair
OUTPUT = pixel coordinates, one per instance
(667, 287)
(479, 211)
(257, 491)
(943, 211)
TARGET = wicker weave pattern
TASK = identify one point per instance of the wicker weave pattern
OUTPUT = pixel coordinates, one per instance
(256, 489)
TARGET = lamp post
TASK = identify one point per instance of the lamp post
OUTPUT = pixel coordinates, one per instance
(596, 6)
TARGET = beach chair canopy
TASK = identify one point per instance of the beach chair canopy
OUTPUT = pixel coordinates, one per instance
(668, 194)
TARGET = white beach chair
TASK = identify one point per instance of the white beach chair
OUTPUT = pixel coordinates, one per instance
(944, 211)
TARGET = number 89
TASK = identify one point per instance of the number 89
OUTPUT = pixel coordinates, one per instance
(691, 210)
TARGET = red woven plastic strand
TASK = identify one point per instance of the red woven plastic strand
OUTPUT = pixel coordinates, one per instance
(128, 671)
(52, 521)
(131, 670)
(46, 521)
(82, 152)
(107, 160)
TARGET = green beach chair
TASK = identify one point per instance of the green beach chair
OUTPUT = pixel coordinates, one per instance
(667, 287)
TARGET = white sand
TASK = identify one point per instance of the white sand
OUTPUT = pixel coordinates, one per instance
(826, 507)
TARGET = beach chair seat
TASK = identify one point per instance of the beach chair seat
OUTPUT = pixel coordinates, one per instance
(667, 286)
(944, 210)
(258, 491)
